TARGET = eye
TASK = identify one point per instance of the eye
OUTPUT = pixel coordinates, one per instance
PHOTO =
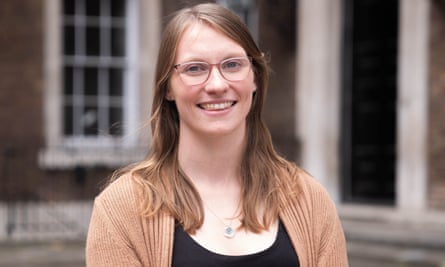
(233, 64)
(194, 68)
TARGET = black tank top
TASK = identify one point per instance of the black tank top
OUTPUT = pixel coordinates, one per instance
(188, 253)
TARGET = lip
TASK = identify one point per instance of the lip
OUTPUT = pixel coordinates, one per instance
(217, 106)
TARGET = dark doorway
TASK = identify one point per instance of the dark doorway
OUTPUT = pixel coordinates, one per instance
(369, 100)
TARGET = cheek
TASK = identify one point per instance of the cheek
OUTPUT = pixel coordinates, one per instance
(251, 85)
(172, 83)
(183, 98)
(252, 81)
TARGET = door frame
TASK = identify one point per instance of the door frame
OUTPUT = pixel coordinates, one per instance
(318, 97)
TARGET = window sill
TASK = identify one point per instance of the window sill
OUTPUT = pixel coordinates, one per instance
(68, 158)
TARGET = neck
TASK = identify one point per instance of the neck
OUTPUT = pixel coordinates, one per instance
(211, 160)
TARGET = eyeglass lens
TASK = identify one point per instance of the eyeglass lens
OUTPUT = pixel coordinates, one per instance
(232, 69)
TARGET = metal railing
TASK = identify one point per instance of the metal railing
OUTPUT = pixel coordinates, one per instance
(27, 215)
(44, 220)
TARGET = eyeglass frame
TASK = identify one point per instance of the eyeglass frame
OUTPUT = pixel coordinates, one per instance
(210, 68)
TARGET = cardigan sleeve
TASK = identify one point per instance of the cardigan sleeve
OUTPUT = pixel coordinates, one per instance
(313, 224)
(115, 234)
(106, 246)
(328, 231)
(333, 250)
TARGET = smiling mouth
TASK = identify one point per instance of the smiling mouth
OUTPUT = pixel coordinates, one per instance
(217, 106)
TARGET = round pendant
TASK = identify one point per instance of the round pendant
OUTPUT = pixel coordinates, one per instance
(229, 232)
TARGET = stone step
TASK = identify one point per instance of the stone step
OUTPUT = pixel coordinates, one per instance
(42, 254)
(363, 254)
(389, 244)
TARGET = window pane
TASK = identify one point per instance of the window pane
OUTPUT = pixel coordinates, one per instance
(68, 120)
(91, 81)
(118, 8)
(93, 7)
(93, 41)
(116, 121)
(68, 40)
(68, 80)
(68, 7)
(117, 42)
(116, 81)
(89, 120)
(85, 39)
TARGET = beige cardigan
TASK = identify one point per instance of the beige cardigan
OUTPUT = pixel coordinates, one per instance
(118, 236)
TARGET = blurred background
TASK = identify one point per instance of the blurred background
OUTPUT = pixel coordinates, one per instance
(356, 97)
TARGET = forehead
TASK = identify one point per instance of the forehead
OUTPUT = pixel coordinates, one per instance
(201, 41)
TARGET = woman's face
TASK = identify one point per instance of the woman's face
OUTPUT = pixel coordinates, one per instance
(216, 106)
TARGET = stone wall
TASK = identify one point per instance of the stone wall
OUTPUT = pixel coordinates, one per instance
(277, 39)
(21, 73)
(437, 106)
(22, 90)
(21, 113)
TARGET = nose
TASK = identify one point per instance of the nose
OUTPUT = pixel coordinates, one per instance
(216, 82)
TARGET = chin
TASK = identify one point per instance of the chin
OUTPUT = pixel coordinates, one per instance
(225, 131)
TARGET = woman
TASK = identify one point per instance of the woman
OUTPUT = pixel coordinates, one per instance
(212, 191)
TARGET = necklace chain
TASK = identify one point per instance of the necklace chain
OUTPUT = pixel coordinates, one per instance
(229, 231)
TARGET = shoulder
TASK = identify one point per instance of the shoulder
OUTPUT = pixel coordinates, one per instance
(121, 188)
(117, 232)
(307, 191)
(118, 198)
(312, 187)
(300, 182)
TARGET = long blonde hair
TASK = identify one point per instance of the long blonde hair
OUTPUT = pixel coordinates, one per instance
(263, 172)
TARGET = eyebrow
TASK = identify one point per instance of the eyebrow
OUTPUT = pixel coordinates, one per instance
(200, 59)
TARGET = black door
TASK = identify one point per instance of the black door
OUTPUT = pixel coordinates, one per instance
(369, 100)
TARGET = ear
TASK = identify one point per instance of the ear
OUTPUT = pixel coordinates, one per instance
(169, 95)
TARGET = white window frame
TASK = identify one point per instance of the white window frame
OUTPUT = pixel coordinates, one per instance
(78, 139)
(61, 152)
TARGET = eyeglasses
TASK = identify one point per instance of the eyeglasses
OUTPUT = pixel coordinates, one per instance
(198, 72)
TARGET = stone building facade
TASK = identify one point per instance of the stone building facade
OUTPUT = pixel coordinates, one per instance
(305, 41)
(22, 90)
(436, 78)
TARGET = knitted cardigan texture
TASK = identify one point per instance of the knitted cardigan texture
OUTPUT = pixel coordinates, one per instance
(119, 236)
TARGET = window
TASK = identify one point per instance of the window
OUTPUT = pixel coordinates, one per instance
(93, 106)
(95, 70)
(247, 10)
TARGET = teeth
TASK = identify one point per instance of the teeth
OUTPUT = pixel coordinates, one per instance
(216, 106)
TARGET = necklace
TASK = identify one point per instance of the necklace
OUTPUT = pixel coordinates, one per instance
(229, 231)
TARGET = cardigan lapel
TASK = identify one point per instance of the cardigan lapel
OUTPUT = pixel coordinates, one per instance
(296, 217)
(159, 234)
